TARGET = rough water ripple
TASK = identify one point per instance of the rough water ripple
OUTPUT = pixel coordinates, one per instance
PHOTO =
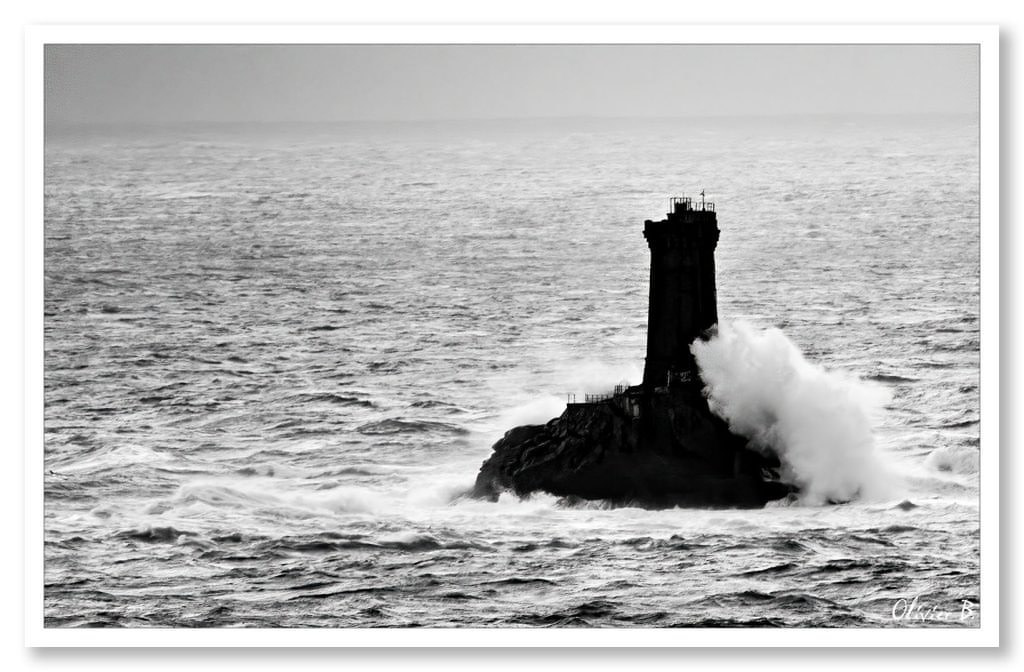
(274, 356)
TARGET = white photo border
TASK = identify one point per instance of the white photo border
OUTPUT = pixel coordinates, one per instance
(985, 36)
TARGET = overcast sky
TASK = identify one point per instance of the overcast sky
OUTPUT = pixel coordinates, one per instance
(225, 83)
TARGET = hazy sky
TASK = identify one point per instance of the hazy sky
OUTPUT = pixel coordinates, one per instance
(167, 83)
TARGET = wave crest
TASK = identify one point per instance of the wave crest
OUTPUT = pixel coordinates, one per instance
(818, 422)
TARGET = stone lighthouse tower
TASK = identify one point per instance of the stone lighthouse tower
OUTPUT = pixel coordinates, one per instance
(683, 299)
(657, 444)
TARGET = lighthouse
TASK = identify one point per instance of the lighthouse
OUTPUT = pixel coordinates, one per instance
(657, 444)
(683, 298)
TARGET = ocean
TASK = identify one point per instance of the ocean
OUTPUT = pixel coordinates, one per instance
(276, 356)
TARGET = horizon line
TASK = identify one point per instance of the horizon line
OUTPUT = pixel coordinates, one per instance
(534, 118)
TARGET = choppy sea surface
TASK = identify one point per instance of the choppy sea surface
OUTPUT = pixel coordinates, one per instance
(275, 356)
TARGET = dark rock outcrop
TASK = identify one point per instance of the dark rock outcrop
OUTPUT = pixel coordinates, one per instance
(656, 450)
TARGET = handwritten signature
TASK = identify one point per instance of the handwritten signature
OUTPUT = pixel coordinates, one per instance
(916, 609)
